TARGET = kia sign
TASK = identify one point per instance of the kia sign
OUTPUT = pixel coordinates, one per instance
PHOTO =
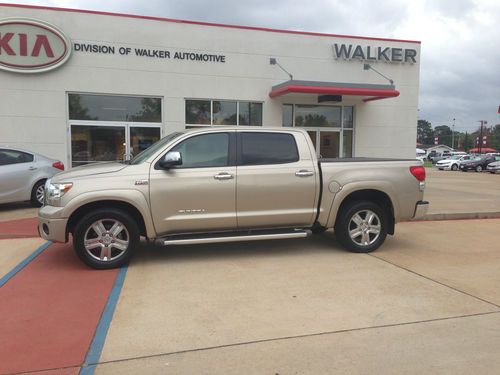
(31, 46)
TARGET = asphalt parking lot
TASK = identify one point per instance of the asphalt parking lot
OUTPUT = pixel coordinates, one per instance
(427, 301)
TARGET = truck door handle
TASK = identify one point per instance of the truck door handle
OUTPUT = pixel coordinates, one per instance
(223, 176)
(304, 173)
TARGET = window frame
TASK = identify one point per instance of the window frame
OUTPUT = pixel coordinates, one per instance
(191, 126)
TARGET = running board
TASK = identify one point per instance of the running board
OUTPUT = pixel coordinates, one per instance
(236, 238)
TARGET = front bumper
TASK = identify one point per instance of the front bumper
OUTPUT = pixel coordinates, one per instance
(421, 209)
(50, 225)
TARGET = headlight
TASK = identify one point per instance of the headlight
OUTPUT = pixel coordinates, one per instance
(56, 190)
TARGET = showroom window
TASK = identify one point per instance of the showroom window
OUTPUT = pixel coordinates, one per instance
(330, 127)
(223, 112)
(112, 127)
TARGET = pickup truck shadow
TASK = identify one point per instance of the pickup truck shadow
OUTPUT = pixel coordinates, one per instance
(317, 243)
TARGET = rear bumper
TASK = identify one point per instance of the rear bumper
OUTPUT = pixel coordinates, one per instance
(50, 226)
(420, 209)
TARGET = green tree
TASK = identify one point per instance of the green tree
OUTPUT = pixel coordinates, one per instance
(424, 132)
(443, 132)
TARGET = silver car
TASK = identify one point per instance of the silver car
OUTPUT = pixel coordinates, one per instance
(23, 175)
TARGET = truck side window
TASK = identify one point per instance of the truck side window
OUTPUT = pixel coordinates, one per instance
(206, 150)
(268, 148)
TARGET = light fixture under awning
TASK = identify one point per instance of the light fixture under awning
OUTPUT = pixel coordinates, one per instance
(367, 91)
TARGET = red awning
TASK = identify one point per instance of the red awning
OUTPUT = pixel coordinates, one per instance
(368, 91)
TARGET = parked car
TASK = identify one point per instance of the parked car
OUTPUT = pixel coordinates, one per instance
(477, 164)
(452, 163)
(493, 167)
(23, 175)
(440, 156)
(182, 190)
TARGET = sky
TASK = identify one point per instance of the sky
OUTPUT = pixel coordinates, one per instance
(460, 51)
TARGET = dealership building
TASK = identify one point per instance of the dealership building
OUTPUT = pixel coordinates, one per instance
(85, 86)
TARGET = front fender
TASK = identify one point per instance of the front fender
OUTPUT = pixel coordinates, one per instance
(132, 197)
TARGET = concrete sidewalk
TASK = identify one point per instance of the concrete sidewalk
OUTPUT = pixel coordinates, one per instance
(418, 305)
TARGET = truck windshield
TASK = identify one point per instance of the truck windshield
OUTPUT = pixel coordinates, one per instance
(141, 157)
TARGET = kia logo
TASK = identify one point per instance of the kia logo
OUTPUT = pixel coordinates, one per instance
(31, 46)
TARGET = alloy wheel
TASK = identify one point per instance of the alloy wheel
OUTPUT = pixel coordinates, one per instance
(106, 239)
(364, 227)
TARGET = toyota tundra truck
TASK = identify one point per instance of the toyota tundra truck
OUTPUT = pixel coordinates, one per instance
(228, 184)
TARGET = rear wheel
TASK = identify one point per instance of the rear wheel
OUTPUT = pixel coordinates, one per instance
(38, 194)
(479, 168)
(361, 226)
(454, 167)
(106, 238)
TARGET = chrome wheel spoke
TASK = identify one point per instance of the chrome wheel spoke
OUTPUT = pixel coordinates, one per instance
(120, 244)
(357, 219)
(356, 232)
(99, 228)
(365, 239)
(369, 217)
(375, 229)
(116, 229)
(105, 253)
(92, 243)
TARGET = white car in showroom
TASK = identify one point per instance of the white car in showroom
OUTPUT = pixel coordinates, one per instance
(23, 175)
(452, 163)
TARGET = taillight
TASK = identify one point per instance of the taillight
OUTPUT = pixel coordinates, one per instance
(58, 165)
(418, 172)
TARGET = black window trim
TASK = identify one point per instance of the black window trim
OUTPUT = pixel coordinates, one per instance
(239, 155)
(232, 151)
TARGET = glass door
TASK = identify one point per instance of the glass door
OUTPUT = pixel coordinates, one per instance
(109, 142)
(92, 144)
(329, 144)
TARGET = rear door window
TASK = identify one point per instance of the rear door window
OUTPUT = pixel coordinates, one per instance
(8, 157)
(267, 148)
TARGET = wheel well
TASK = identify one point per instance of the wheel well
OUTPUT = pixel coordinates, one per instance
(37, 181)
(89, 207)
(376, 196)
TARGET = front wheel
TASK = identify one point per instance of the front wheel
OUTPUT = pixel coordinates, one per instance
(106, 238)
(454, 167)
(479, 168)
(361, 226)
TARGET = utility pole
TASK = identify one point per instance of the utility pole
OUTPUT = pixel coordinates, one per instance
(453, 135)
(481, 135)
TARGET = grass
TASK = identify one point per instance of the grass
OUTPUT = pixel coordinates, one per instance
(428, 164)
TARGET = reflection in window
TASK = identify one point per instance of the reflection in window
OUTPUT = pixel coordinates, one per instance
(348, 121)
(317, 116)
(224, 112)
(288, 115)
(114, 108)
(198, 112)
(347, 150)
(207, 150)
(250, 114)
(96, 143)
(8, 157)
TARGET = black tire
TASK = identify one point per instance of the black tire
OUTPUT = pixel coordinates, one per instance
(454, 167)
(479, 168)
(345, 224)
(107, 217)
(35, 194)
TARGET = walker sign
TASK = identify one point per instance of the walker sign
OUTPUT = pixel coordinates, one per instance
(31, 46)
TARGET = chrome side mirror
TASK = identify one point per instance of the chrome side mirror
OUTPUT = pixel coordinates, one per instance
(170, 160)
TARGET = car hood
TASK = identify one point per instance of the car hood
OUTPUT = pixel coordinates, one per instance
(89, 170)
(494, 164)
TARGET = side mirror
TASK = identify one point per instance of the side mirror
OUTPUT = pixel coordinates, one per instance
(170, 160)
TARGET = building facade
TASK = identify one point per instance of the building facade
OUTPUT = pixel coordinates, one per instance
(84, 86)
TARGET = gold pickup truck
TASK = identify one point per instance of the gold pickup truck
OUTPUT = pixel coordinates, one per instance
(228, 184)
